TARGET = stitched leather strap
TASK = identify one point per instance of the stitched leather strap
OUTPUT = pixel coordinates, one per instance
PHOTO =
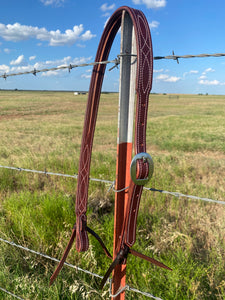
(143, 87)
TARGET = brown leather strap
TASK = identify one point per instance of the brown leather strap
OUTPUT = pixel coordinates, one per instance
(122, 255)
(68, 247)
(89, 126)
(118, 260)
(143, 87)
(151, 260)
(65, 254)
(100, 241)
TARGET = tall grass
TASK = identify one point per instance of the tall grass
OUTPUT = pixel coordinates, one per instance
(185, 137)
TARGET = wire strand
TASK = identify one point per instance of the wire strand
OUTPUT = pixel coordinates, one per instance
(50, 258)
(175, 57)
(179, 195)
(69, 67)
(116, 61)
(112, 185)
(128, 288)
(11, 294)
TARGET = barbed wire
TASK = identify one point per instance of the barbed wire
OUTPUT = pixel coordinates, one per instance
(176, 57)
(116, 61)
(69, 67)
(50, 258)
(127, 287)
(112, 184)
(180, 195)
(11, 294)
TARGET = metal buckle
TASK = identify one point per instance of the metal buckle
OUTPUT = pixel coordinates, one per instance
(146, 158)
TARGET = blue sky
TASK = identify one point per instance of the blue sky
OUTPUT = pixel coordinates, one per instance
(49, 33)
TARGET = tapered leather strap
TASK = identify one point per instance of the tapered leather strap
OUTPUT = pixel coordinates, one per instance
(143, 87)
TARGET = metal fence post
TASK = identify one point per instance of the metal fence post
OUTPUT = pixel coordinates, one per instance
(124, 141)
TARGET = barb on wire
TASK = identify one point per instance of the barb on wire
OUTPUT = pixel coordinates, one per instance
(69, 67)
(112, 184)
(128, 288)
(175, 57)
(116, 61)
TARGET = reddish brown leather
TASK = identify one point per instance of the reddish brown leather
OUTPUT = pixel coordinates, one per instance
(65, 254)
(143, 87)
(151, 260)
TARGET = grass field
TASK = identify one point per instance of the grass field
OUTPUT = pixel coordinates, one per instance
(185, 137)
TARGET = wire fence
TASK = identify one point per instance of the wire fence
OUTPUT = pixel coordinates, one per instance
(127, 287)
(176, 57)
(112, 184)
(69, 67)
(11, 294)
(116, 62)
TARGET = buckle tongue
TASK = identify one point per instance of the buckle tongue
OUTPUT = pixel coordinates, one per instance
(146, 158)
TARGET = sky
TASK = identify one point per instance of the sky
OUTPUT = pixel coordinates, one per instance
(50, 33)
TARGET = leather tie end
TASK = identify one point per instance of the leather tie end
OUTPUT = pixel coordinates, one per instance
(51, 281)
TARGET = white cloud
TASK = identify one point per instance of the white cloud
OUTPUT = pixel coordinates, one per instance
(107, 14)
(7, 50)
(87, 74)
(53, 2)
(162, 77)
(32, 57)
(154, 24)
(66, 61)
(61, 62)
(17, 32)
(208, 70)
(172, 79)
(190, 72)
(4, 69)
(158, 71)
(50, 73)
(81, 45)
(87, 36)
(193, 72)
(105, 7)
(151, 3)
(211, 82)
(167, 78)
(17, 69)
(19, 61)
(202, 77)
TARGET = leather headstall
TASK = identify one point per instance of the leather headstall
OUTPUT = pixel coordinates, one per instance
(141, 166)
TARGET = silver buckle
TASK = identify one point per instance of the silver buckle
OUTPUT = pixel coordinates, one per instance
(146, 158)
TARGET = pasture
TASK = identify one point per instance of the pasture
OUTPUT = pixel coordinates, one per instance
(186, 139)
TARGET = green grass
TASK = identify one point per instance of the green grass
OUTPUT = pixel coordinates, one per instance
(185, 137)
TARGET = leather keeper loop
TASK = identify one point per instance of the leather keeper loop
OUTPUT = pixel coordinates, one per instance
(82, 242)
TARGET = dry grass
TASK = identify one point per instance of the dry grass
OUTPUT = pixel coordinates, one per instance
(186, 139)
